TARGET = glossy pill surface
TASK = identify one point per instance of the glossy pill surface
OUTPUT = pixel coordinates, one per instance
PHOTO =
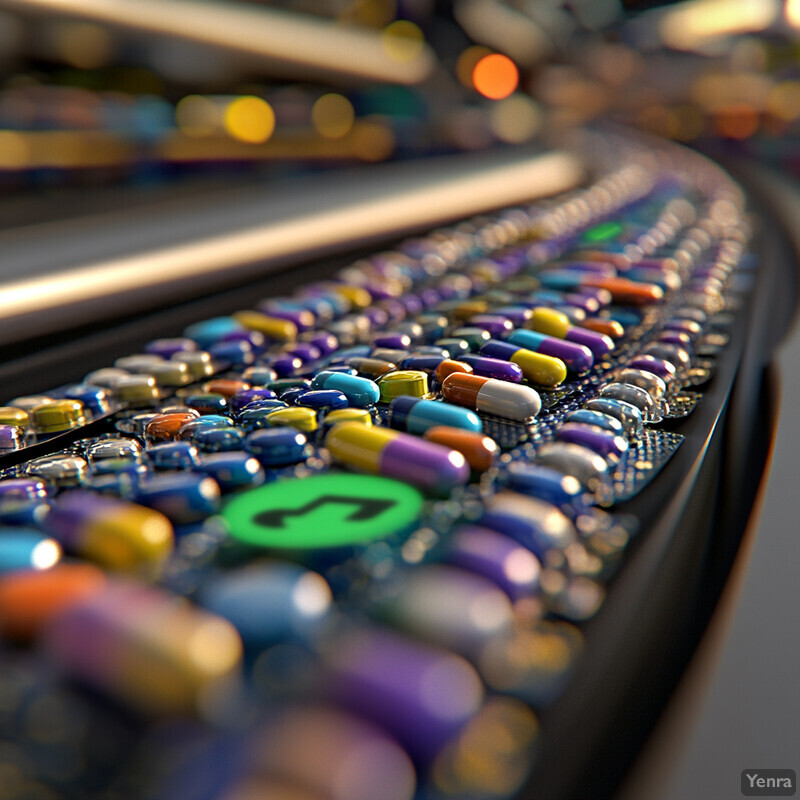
(498, 398)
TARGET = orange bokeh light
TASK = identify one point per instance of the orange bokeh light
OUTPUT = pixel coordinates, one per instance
(495, 76)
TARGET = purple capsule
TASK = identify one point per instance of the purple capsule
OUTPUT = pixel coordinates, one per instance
(498, 326)
(430, 297)
(286, 366)
(598, 343)
(658, 366)
(519, 315)
(422, 695)
(677, 338)
(301, 317)
(412, 303)
(510, 566)
(577, 357)
(595, 438)
(247, 396)
(675, 354)
(494, 368)
(377, 317)
(583, 302)
(687, 326)
(166, 348)
(306, 352)
(325, 342)
(253, 338)
(22, 489)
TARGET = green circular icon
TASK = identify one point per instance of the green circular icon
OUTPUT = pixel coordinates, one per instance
(322, 511)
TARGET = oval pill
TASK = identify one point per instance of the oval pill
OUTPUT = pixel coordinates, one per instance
(577, 357)
(537, 368)
(416, 416)
(361, 392)
(479, 450)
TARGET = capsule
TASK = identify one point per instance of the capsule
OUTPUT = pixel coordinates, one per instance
(397, 455)
(210, 331)
(273, 328)
(173, 455)
(136, 391)
(495, 368)
(658, 366)
(165, 427)
(360, 392)
(145, 647)
(479, 450)
(596, 418)
(301, 419)
(278, 447)
(181, 496)
(18, 489)
(629, 416)
(554, 323)
(499, 398)
(537, 368)
(644, 379)
(608, 327)
(361, 415)
(403, 382)
(534, 523)
(26, 548)
(634, 395)
(217, 438)
(511, 567)
(113, 533)
(544, 483)
(30, 598)
(416, 416)
(17, 417)
(577, 357)
(232, 470)
(268, 602)
(370, 367)
(59, 470)
(583, 464)
(199, 363)
(607, 444)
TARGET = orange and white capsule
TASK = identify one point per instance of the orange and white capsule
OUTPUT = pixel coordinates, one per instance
(500, 398)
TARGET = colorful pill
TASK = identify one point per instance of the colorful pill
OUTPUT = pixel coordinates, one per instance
(11, 438)
(199, 364)
(455, 347)
(255, 416)
(537, 368)
(59, 470)
(479, 450)
(534, 523)
(544, 483)
(495, 368)
(499, 398)
(209, 331)
(549, 321)
(258, 375)
(475, 337)
(173, 455)
(425, 363)
(181, 496)
(509, 565)
(207, 403)
(301, 419)
(577, 357)
(25, 548)
(658, 366)
(634, 395)
(274, 328)
(60, 415)
(171, 374)
(347, 415)
(397, 455)
(629, 416)
(415, 415)
(166, 348)
(585, 416)
(497, 325)
(403, 382)
(113, 533)
(607, 444)
(22, 489)
(361, 392)
(165, 427)
(187, 430)
(323, 399)
(627, 292)
(136, 391)
(95, 399)
(232, 470)
(581, 463)
(608, 327)
(145, 647)
(227, 387)
(268, 602)
(678, 356)
(277, 447)
(370, 367)
(448, 367)
(18, 417)
(29, 598)
(217, 438)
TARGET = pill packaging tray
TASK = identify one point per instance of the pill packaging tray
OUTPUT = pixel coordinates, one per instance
(314, 549)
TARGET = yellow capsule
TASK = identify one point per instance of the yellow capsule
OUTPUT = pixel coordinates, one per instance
(61, 415)
(539, 369)
(358, 445)
(470, 308)
(137, 390)
(358, 297)
(171, 373)
(281, 330)
(198, 363)
(549, 321)
(349, 415)
(29, 403)
(411, 382)
(18, 417)
(302, 419)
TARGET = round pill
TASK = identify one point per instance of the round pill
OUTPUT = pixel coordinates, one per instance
(406, 382)
(60, 415)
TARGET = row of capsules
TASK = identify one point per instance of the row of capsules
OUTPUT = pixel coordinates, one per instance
(129, 495)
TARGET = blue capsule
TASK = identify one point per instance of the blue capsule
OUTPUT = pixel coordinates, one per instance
(217, 439)
(255, 415)
(360, 392)
(629, 416)
(181, 496)
(173, 455)
(323, 399)
(95, 399)
(422, 363)
(208, 403)
(545, 484)
(23, 548)
(598, 418)
(232, 470)
(236, 353)
(277, 447)
(268, 602)
(210, 331)
(417, 416)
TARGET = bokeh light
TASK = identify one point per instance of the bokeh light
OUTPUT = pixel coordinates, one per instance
(402, 40)
(332, 115)
(249, 119)
(495, 76)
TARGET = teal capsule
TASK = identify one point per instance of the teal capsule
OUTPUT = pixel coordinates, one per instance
(360, 392)
(417, 416)
(26, 548)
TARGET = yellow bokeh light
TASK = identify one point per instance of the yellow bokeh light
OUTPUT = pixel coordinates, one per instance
(15, 152)
(783, 100)
(515, 119)
(402, 40)
(332, 115)
(196, 115)
(495, 76)
(249, 119)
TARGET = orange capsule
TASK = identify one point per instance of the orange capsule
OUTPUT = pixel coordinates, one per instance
(479, 450)
(619, 260)
(608, 327)
(29, 598)
(225, 386)
(165, 427)
(449, 366)
(625, 291)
